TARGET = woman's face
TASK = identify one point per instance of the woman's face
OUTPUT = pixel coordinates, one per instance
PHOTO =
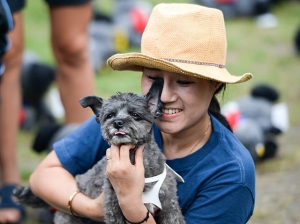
(185, 98)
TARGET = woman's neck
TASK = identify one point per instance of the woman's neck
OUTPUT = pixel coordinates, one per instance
(188, 141)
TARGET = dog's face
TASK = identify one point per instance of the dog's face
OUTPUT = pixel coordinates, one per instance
(127, 118)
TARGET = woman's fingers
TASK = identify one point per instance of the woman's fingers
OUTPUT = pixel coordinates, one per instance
(139, 157)
(108, 154)
(124, 154)
(115, 153)
(121, 155)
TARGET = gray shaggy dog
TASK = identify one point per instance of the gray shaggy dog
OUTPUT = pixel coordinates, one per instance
(125, 118)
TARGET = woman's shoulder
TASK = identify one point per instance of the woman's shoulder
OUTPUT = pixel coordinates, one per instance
(230, 158)
(230, 146)
(222, 160)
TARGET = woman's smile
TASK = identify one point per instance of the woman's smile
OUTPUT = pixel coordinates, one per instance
(171, 111)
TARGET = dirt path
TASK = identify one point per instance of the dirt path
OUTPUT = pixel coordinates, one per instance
(278, 184)
(278, 198)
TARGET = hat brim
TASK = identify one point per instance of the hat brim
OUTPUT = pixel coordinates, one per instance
(138, 61)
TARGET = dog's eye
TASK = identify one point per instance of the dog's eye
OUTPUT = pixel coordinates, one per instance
(135, 115)
(108, 116)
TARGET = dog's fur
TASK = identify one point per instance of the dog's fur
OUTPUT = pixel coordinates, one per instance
(125, 118)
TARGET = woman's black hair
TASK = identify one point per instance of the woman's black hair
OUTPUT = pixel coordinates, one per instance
(215, 109)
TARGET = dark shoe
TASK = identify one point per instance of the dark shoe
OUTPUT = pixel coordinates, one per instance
(6, 201)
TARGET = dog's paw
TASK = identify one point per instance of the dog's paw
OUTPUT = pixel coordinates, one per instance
(21, 192)
(25, 196)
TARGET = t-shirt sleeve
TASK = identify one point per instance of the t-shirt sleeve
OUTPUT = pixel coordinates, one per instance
(81, 149)
(224, 203)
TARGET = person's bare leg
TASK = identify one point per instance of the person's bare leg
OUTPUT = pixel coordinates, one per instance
(75, 76)
(10, 93)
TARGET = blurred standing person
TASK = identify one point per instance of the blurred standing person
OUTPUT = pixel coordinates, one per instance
(75, 76)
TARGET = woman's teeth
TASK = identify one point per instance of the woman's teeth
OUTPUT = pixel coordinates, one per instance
(171, 111)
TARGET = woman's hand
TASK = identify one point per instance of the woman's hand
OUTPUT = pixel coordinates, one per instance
(127, 180)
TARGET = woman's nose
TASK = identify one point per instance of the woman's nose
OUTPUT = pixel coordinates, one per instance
(168, 94)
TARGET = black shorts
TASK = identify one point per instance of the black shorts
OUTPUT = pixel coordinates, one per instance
(17, 5)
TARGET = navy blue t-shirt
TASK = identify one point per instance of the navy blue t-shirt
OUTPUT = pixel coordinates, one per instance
(219, 178)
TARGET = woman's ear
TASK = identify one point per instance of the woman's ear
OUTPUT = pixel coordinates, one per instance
(215, 85)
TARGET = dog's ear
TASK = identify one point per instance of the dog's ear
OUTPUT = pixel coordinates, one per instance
(153, 97)
(93, 102)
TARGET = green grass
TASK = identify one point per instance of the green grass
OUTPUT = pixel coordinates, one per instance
(268, 54)
(37, 29)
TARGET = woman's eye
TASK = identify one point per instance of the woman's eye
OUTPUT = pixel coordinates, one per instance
(184, 82)
(152, 77)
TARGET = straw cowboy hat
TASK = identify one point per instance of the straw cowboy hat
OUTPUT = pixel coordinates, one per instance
(182, 38)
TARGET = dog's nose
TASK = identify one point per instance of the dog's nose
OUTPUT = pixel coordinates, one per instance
(118, 123)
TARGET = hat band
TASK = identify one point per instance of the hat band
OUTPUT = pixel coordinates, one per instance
(194, 62)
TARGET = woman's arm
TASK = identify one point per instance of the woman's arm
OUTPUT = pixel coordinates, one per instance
(54, 184)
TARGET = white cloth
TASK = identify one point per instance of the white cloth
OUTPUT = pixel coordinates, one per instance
(152, 196)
